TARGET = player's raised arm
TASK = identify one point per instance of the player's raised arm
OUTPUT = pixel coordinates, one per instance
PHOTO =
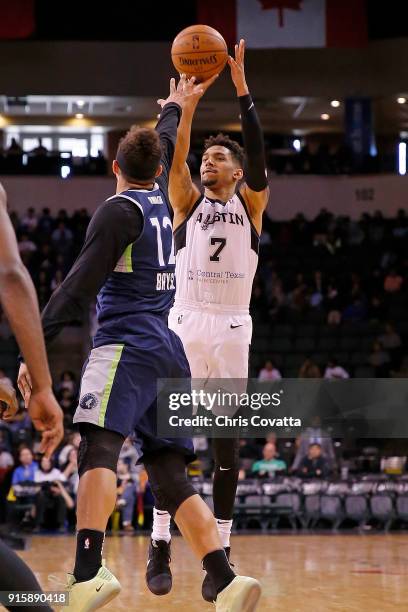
(255, 189)
(182, 191)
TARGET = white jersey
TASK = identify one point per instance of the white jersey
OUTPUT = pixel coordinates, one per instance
(216, 255)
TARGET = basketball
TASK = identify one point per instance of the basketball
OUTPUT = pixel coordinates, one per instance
(199, 51)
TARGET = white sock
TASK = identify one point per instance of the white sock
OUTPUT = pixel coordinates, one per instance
(224, 530)
(161, 525)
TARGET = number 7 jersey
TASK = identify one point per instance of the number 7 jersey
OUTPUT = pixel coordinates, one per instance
(216, 254)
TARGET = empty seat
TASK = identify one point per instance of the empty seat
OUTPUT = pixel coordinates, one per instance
(382, 509)
(327, 344)
(331, 509)
(358, 359)
(349, 343)
(282, 331)
(364, 372)
(357, 509)
(281, 345)
(306, 331)
(305, 345)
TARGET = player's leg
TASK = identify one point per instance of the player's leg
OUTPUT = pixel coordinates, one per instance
(228, 367)
(167, 476)
(17, 576)
(185, 324)
(104, 417)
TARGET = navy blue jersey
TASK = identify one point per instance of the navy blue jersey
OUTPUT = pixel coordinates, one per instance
(143, 282)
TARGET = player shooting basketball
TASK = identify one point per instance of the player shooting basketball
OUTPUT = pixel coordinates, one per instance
(216, 235)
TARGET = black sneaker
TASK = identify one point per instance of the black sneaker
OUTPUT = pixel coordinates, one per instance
(158, 573)
(208, 590)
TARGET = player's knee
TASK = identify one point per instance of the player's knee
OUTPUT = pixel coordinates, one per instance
(226, 453)
(99, 448)
(168, 481)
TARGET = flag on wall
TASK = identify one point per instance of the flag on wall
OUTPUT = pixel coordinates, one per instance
(288, 23)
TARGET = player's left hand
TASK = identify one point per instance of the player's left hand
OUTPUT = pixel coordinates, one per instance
(9, 398)
(238, 69)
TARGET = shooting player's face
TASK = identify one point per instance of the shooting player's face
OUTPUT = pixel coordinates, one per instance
(219, 168)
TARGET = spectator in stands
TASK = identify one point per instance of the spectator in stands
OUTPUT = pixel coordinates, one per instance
(376, 309)
(29, 222)
(356, 311)
(314, 434)
(309, 369)
(379, 359)
(269, 372)
(128, 453)
(52, 500)
(26, 246)
(390, 339)
(14, 148)
(70, 472)
(334, 370)
(68, 381)
(313, 465)
(73, 441)
(332, 303)
(45, 223)
(269, 465)
(393, 282)
(25, 472)
(43, 288)
(126, 500)
(62, 238)
(39, 150)
(57, 280)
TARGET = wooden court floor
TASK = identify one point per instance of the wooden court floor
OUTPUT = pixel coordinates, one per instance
(299, 573)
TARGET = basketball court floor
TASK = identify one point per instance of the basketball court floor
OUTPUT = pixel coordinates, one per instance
(301, 573)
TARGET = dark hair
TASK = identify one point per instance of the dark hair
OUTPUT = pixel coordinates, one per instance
(139, 153)
(222, 140)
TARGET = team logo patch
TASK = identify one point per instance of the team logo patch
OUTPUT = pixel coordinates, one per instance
(88, 401)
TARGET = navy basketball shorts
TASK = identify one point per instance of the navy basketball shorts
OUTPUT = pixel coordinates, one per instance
(119, 389)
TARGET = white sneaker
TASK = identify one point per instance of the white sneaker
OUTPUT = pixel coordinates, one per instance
(91, 594)
(241, 595)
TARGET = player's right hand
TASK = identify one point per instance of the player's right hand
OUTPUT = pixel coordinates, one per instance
(47, 417)
(24, 383)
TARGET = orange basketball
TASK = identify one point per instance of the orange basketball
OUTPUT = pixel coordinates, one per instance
(199, 51)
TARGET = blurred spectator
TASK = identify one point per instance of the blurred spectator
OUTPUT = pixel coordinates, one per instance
(39, 150)
(25, 472)
(314, 434)
(314, 465)
(52, 500)
(29, 222)
(393, 282)
(62, 238)
(26, 246)
(379, 359)
(45, 223)
(391, 342)
(128, 453)
(73, 441)
(355, 311)
(14, 148)
(269, 465)
(126, 500)
(67, 381)
(309, 369)
(269, 372)
(334, 370)
(70, 472)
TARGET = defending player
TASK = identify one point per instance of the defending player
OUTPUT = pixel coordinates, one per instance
(217, 237)
(128, 260)
(18, 298)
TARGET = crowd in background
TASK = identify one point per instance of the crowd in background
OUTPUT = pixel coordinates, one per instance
(331, 271)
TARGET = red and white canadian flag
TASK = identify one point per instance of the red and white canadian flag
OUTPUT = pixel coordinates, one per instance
(288, 23)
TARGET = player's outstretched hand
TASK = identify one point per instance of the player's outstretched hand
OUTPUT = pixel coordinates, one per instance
(47, 418)
(24, 383)
(9, 407)
(187, 92)
(238, 69)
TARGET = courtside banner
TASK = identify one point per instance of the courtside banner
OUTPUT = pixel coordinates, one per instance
(360, 408)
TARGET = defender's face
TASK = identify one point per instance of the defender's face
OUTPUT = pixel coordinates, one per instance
(218, 168)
